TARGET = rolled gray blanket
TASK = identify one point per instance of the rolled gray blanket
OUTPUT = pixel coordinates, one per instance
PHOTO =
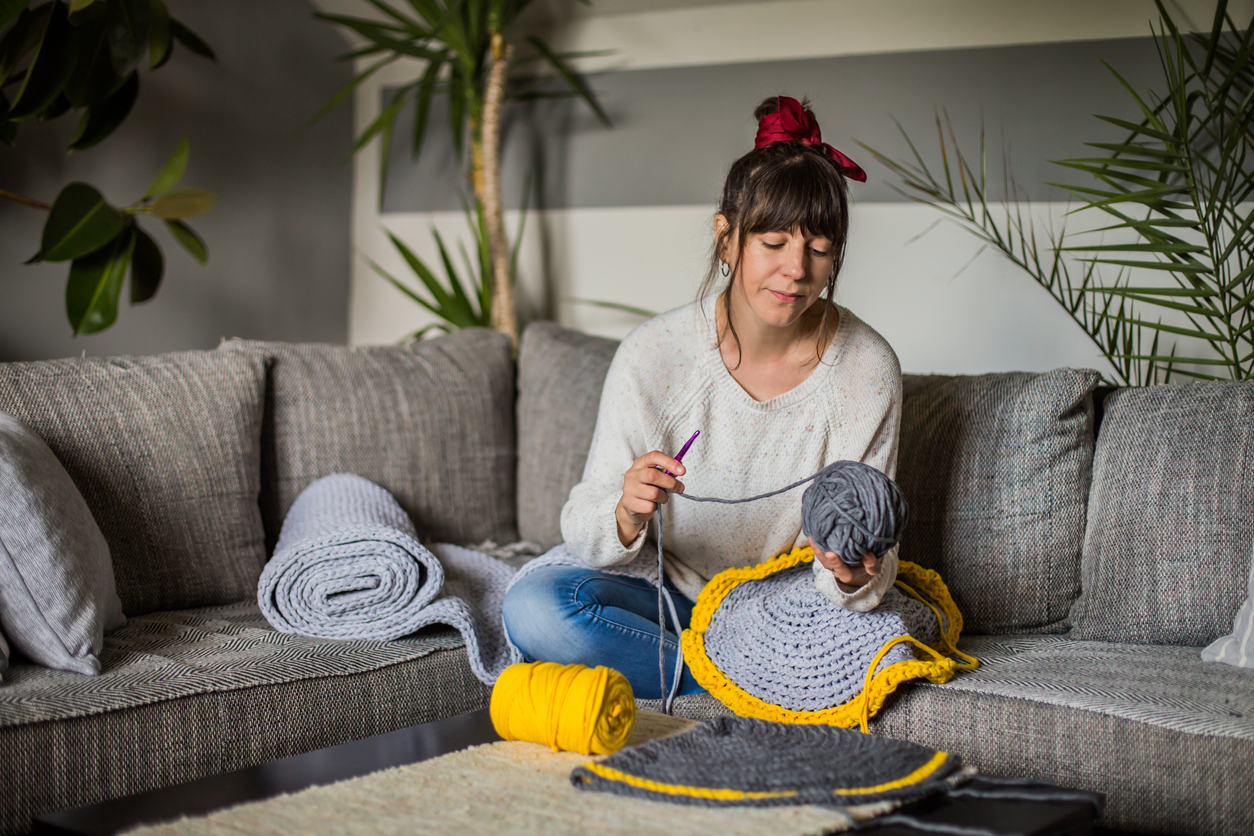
(348, 565)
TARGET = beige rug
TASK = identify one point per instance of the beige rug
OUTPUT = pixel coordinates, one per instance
(501, 788)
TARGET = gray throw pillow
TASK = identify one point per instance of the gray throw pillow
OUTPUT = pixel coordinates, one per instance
(1237, 648)
(57, 594)
(996, 470)
(430, 421)
(560, 377)
(1167, 547)
(166, 452)
(4, 657)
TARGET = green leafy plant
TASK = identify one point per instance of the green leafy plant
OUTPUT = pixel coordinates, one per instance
(1178, 189)
(85, 56)
(467, 56)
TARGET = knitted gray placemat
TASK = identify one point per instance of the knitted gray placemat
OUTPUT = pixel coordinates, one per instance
(781, 640)
(741, 761)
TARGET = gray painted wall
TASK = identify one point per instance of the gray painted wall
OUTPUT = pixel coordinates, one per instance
(676, 130)
(279, 239)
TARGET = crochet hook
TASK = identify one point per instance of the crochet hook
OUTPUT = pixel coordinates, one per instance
(679, 457)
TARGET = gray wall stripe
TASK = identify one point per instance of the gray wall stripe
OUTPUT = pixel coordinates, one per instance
(676, 130)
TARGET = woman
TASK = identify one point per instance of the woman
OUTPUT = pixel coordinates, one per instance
(780, 382)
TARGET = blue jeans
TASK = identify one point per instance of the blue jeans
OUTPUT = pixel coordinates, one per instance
(570, 615)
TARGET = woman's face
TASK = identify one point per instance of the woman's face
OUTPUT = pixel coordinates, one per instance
(781, 273)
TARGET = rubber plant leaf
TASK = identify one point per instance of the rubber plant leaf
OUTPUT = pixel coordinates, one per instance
(95, 285)
(172, 171)
(10, 10)
(51, 67)
(191, 242)
(147, 267)
(94, 78)
(102, 119)
(178, 204)
(80, 221)
(159, 37)
(191, 40)
(127, 22)
(79, 5)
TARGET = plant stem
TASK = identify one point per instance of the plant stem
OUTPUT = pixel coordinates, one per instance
(489, 188)
(25, 201)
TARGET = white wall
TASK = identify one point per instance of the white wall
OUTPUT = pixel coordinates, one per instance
(939, 316)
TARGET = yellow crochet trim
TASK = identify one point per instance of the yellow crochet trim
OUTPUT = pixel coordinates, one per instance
(878, 685)
(610, 774)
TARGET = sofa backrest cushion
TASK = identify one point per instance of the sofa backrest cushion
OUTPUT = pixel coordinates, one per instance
(1171, 515)
(431, 421)
(166, 452)
(560, 376)
(996, 470)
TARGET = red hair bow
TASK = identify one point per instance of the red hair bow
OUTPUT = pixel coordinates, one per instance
(792, 124)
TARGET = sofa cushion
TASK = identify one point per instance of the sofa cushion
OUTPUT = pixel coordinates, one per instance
(560, 376)
(1167, 737)
(996, 468)
(165, 451)
(57, 593)
(432, 422)
(1171, 515)
(194, 693)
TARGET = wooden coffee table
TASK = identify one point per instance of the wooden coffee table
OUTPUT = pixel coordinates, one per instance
(429, 740)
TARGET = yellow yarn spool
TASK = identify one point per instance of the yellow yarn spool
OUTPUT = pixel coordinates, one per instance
(571, 708)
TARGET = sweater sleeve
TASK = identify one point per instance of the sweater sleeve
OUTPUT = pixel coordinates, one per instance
(880, 416)
(588, 523)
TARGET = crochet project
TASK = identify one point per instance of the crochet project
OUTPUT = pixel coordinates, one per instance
(736, 762)
(767, 644)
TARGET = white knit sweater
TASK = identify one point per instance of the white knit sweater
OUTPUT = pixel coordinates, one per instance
(667, 380)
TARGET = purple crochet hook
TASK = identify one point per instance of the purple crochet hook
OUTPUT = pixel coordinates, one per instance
(679, 457)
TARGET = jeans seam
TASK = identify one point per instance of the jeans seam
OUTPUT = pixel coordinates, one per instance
(588, 609)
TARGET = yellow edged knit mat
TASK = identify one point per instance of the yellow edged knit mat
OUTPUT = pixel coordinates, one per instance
(921, 584)
(503, 788)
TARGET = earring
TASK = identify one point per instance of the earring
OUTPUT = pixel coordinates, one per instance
(724, 269)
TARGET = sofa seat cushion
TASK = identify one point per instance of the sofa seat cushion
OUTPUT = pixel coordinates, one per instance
(1167, 737)
(194, 693)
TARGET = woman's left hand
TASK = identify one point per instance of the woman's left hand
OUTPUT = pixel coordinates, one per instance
(848, 578)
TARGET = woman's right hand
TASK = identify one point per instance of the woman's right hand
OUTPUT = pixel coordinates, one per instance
(645, 487)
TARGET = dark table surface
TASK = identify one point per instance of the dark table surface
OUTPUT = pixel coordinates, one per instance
(429, 740)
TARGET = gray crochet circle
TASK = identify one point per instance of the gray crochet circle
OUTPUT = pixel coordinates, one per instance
(781, 640)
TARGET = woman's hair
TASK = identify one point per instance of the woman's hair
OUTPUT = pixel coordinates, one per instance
(781, 186)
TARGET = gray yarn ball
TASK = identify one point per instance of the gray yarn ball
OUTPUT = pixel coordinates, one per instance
(852, 509)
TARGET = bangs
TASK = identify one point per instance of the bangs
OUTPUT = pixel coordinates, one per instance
(804, 195)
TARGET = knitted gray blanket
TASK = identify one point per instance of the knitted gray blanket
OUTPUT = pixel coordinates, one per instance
(348, 565)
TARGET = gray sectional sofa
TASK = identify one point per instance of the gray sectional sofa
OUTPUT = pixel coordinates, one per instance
(1093, 539)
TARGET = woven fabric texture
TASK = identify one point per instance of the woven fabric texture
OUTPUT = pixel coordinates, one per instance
(745, 762)
(1170, 525)
(190, 694)
(784, 642)
(1237, 648)
(996, 470)
(165, 451)
(432, 422)
(1168, 738)
(57, 593)
(560, 376)
(348, 565)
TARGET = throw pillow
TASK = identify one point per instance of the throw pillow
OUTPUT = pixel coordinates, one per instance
(165, 451)
(560, 376)
(57, 594)
(430, 421)
(996, 470)
(1169, 524)
(1237, 648)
